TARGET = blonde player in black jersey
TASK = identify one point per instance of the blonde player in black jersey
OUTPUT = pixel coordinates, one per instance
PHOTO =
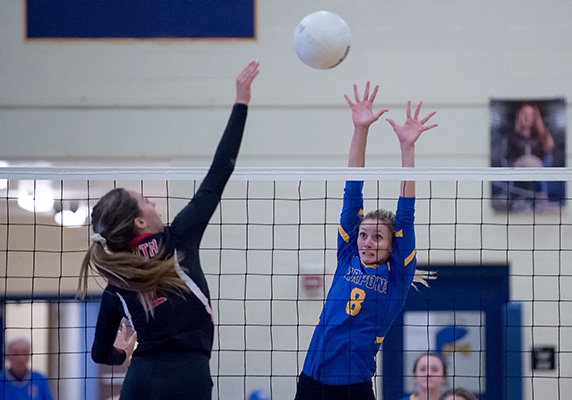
(156, 281)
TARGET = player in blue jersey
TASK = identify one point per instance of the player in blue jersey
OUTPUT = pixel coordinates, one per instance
(375, 269)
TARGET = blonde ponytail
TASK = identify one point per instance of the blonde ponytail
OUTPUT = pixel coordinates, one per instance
(110, 253)
(131, 272)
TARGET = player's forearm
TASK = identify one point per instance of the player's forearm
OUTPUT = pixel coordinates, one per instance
(357, 148)
(408, 161)
(108, 356)
(226, 153)
(229, 145)
(193, 219)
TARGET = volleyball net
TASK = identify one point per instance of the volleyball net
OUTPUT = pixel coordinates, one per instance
(499, 312)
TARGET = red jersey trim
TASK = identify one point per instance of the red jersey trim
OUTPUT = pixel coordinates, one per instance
(139, 238)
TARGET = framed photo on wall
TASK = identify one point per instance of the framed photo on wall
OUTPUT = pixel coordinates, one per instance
(528, 133)
(140, 19)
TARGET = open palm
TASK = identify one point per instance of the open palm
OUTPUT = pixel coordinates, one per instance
(409, 132)
(362, 109)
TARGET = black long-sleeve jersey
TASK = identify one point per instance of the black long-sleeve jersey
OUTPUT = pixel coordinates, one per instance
(180, 323)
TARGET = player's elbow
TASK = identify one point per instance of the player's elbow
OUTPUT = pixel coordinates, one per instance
(97, 357)
(114, 358)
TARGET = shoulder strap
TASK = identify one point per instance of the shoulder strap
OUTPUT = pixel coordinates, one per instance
(125, 309)
(190, 284)
(193, 286)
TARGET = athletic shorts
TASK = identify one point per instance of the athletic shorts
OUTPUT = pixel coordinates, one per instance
(310, 389)
(168, 376)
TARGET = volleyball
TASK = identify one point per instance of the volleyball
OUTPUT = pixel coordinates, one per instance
(322, 40)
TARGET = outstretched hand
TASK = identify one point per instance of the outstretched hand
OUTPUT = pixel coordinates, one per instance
(244, 81)
(362, 109)
(409, 132)
(125, 342)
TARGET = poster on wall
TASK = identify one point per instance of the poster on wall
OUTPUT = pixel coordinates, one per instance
(528, 133)
(457, 337)
(140, 19)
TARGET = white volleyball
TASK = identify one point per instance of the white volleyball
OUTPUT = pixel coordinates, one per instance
(322, 40)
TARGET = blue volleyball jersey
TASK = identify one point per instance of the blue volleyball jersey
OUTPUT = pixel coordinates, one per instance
(363, 301)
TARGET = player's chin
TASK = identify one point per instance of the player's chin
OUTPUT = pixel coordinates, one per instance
(367, 259)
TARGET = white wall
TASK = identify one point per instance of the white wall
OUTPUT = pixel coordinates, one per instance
(166, 103)
(144, 101)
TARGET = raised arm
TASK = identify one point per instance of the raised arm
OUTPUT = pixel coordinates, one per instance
(408, 133)
(363, 117)
(193, 219)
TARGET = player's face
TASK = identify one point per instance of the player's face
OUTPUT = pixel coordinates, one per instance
(148, 214)
(374, 242)
(527, 116)
(429, 373)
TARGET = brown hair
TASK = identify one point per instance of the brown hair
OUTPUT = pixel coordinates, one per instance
(538, 129)
(113, 218)
(387, 218)
(458, 392)
(430, 355)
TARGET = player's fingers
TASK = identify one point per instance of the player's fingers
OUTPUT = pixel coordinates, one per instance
(356, 95)
(408, 113)
(244, 72)
(252, 65)
(250, 71)
(374, 93)
(426, 128)
(417, 110)
(120, 333)
(348, 100)
(427, 117)
(391, 122)
(366, 93)
(379, 114)
(252, 75)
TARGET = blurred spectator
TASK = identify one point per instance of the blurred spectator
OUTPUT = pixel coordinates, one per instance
(429, 376)
(458, 394)
(19, 382)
